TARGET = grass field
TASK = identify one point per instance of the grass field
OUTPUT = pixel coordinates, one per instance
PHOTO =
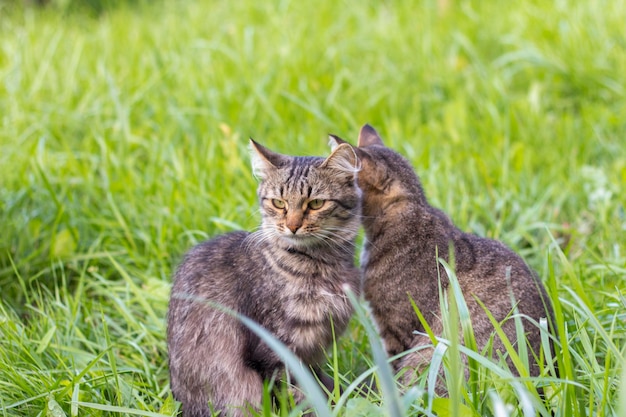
(123, 142)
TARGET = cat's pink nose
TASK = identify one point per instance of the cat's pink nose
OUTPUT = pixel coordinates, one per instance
(294, 221)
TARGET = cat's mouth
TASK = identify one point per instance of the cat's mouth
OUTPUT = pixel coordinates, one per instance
(295, 237)
(300, 240)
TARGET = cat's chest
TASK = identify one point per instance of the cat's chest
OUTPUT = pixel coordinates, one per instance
(310, 315)
(311, 290)
(312, 303)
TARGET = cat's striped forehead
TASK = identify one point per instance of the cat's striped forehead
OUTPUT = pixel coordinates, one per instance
(301, 166)
(302, 177)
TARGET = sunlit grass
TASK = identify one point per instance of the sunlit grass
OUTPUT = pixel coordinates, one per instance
(123, 142)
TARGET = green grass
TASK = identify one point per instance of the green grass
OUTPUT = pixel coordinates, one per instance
(123, 141)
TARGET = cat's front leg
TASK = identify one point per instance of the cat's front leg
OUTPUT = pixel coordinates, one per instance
(415, 364)
(326, 381)
(240, 394)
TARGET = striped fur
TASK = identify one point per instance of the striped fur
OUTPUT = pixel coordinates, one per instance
(404, 237)
(290, 276)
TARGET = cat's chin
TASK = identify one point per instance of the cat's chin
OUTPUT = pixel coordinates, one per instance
(299, 242)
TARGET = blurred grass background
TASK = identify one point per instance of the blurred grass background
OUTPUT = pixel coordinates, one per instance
(123, 142)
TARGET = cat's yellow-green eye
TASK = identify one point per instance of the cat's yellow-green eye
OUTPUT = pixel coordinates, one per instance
(279, 204)
(316, 204)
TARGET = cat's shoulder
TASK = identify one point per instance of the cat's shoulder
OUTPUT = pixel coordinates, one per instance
(225, 239)
(225, 255)
(228, 243)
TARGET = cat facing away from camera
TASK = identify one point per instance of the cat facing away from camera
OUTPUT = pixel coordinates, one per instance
(404, 237)
(290, 276)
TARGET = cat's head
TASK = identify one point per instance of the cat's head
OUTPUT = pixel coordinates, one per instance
(385, 175)
(308, 201)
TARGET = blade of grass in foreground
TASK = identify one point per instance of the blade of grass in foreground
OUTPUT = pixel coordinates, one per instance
(117, 409)
(569, 401)
(387, 382)
(306, 381)
(459, 314)
(621, 404)
(451, 323)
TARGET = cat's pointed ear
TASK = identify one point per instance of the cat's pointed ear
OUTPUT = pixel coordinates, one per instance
(334, 141)
(264, 160)
(343, 158)
(368, 136)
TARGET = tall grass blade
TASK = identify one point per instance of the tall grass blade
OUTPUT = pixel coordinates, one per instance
(120, 410)
(621, 404)
(388, 386)
(306, 381)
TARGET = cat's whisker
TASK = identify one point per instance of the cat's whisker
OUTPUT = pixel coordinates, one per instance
(258, 237)
(337, 243)
(339, 233)
(344, 245)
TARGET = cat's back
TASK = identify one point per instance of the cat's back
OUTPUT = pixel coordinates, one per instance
(486, 267)
(476, 254)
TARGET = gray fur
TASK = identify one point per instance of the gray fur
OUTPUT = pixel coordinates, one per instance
(404, 235)
(290, 276)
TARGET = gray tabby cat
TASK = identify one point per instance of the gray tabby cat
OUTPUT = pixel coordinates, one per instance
(404, 236)
(290, 276)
